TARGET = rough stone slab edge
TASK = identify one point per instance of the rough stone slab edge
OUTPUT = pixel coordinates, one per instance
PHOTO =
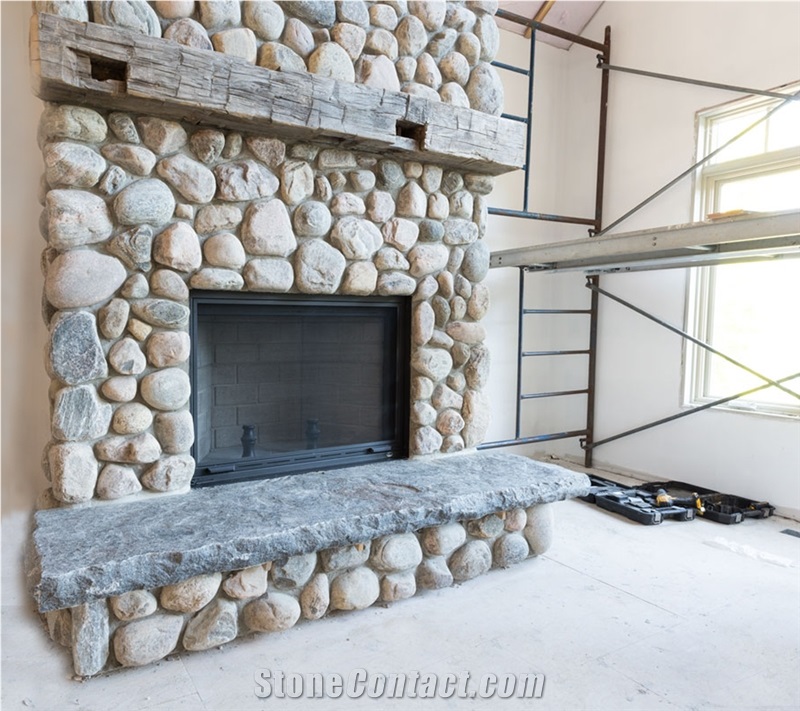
(58, 589)
(59, 74)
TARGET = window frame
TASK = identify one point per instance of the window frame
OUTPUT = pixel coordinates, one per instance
(700, 288)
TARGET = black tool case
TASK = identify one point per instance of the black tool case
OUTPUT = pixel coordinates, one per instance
(722, 508)
(638, 503)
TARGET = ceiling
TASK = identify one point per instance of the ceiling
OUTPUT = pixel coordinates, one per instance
(569, 15)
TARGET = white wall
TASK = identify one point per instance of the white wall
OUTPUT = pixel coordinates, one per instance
(25, 428)
(651, 139)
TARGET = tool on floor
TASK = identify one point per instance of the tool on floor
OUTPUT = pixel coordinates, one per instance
(653, 502)
(693, 501)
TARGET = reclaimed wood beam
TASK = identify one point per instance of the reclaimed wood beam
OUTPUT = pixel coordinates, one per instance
(111, 68)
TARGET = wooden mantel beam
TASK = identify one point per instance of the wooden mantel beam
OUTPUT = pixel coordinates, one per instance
(107, 67)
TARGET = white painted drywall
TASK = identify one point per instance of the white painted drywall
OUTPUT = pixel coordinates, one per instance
(651, 139)
(25, 417)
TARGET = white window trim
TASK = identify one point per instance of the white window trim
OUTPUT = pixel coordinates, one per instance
(701, 280)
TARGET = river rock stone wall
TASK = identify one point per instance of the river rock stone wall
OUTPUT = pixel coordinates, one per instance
(139, 210)
(431, 48)
(143, 626)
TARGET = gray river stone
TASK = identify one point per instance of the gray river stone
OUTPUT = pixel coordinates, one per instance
(354, 589)
(169, 285)
(123, 128)
(167, 389)
(244, 180)
(350, 37)
(280, 58)
(275, 275)
(510, 549)
(142, 449)
(214, 625)
(294, 572)
(145, 641)
(189, 33)
(207, 144)
(145, 201)
(191, 179)
(175, 431)
(75, 218)
(73, 470)
(116, 481)
(74, 351)
(72, 164)
(485, 90)
(133, 15)
(331, 60)
(354, 11)
(74, 122)
(433, 574)
(474, 558)
(273, 612)
(317, 12)
(489, 37)
(71, 9)
(191, 595)
(170, 473)
(135, 159)
(267, 229)
(89, 637)
(274, 518)
(126, 357)
(430, 12)
(316, 597)
(133, 605)
(538, 529)
(134, 247)
(167, 348)
(247, 583)
(79, 415)
(443, 540)
(161, 313)
(264, 17)
(318, 268)
(394, 553)
(312, 219)
(161, 135)
(224, 250)
(356, 238)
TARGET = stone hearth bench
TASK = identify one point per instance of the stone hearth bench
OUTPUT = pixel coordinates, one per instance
(125, 585)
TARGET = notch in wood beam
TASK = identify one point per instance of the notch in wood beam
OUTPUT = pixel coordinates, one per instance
(413, 133)
(112, 73)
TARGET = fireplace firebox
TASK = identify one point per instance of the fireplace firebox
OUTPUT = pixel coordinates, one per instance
(284, 384)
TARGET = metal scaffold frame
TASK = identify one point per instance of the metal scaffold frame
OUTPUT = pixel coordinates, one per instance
(594, 223)
(733, 240)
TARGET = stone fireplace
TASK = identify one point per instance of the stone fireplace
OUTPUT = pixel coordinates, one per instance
(267, 158)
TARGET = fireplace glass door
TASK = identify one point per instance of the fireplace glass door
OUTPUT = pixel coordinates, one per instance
(287, 384)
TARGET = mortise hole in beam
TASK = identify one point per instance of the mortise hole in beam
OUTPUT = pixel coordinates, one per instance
(104, 69)
(413, 131)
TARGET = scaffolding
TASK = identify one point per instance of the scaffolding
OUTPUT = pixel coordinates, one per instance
(697, 244)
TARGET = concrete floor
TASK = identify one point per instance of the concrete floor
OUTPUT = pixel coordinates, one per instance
(691, 615)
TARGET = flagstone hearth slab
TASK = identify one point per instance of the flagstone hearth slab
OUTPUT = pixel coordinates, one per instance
(87, 553)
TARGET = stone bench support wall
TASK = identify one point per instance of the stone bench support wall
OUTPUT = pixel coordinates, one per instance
(143, 626)
(226, 561)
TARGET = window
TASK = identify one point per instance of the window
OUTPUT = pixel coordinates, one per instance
(749, 311)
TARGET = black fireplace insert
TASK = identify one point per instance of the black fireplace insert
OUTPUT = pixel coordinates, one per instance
(284, 384)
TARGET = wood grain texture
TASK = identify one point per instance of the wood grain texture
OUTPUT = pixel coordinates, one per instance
(163, 78)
